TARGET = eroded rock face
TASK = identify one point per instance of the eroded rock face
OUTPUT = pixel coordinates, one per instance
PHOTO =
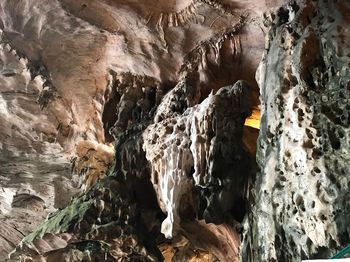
(102, 225)
(77, 76)
(187, 186)
(34, 172)
(301, 200)
(200, 150)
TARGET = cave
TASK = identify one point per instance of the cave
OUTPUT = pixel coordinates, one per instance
(182, 130)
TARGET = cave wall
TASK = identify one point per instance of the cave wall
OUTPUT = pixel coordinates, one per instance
(79, 76)
(146, 101)
(300, 203)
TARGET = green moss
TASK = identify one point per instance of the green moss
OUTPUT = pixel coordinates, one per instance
(90, 245)
(110, 170)
(61, 220)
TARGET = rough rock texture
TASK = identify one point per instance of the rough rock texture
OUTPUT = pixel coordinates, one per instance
(101, 225)
(90, 163)
(188, 188)
(201, 149)
(301, 197)
(79, 76)
(34, 172)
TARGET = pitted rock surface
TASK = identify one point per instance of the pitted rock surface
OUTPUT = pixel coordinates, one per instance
(149, 112)
(301, 200)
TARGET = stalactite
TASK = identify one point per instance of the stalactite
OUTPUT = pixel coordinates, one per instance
(36, 69)
(162, 88)
(189, 14)
(198, 55)
(189, 158)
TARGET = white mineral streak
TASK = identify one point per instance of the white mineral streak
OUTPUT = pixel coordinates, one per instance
(173, 161)
(200, 143)
(173, 182)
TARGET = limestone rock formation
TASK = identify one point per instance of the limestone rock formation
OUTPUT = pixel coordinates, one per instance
(102, 225)
(301, 199)
(77, 76)
(132, 127)
(201, 149)
(34, 172)
(195, 181)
